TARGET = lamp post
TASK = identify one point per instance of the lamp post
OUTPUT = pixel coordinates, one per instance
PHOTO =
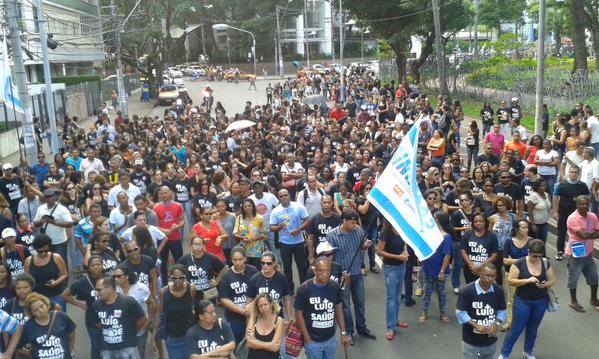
(221, 27)
(311, 33)
(363, 32)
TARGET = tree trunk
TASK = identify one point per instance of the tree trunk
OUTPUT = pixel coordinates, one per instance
(595, 38)
(557, 35)
(167, 38)
(401, 47)
(426, 51)
(578, 28)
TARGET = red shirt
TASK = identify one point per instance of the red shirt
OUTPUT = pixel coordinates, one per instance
(209, 236)
(169, 216)
(338, 114)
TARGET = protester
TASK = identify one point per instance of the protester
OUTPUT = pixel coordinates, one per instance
(480, 327)
(265, 328)
(532, 275)
(479, 246)
(209, 336)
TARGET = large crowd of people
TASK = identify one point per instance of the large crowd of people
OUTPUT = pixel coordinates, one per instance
(153, 225)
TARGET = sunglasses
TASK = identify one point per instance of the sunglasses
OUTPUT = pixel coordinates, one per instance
(267, 263)
(133, 250)
(118, 276)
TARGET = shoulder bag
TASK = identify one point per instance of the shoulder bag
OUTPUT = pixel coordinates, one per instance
(552, 300)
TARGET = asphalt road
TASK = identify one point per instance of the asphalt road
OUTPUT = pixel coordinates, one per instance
(566, 334)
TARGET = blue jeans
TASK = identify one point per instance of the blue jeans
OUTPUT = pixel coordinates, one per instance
(456, 267)
(541, 232)
(322, 350)
(371, 232)
(58, 300)
(176, 348)
(394, 277)
(408, 284)
(95, 339)
(550, 179)
(474, 352)
(528, 315)
(431, 284)
(356, 290)
(288, 252)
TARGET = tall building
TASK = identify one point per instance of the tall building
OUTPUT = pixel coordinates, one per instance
(76, 26)
(313, 27)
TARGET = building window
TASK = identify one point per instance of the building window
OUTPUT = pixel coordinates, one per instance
(90, 25)
(61, 27)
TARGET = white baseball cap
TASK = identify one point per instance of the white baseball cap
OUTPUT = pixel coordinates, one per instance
(8, 232)
(324, 247)
(7, 166)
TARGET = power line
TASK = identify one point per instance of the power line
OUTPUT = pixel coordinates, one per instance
(408, 15)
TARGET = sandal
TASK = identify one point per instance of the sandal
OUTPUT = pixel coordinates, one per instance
(422, 318)
(402, 324)
(444, 318)
(390, 335)
(577, 307)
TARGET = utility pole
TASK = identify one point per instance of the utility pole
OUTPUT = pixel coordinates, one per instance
(540, 69)
(439, 48)
(21, 80)
(341, 28)
(119, 63)
(306, 29)
(476, 9)
(204, 45)
(47, 76)
(228, 51)
(280, 69)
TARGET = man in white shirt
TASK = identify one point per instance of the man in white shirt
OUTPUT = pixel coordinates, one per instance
(310, 197)
(593, 126)
(589, 167)
(521, 129)
(52, 218)
(141, 221)
(91, 163)
(265, 202)
(126, 186)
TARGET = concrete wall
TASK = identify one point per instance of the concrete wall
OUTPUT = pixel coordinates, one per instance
(9, 143)
(77, 105)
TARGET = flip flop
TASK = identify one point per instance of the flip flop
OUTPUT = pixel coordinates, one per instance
(445, 319)
(578, 308)
(402, 324)
(422, 318)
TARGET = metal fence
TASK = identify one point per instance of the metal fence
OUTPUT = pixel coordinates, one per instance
(99, 91)
(9, 118)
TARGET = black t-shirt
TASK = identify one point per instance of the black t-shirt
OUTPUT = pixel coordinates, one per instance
(567, 192)
(368, 219)
(201, 341)
(25, 238)
(461, 219)
(234, 286)
(182, 190)
(276, 286)
(526, 185)
(479, 249)
(335, 272)
(117, 322)
(492, 159)
(318, 306)
(142, 270)
(84, 289)
(353, 174)
(201, 201)
(483, 309)
(12, 190)
(320, 226)
(142, 180)
(201, 270)
(513, 192)
(57, 345)
(6, 294)
(394, 244)
(234, 203)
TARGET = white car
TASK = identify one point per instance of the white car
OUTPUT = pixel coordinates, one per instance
(195, 70)
(179, 82)
(174, 72)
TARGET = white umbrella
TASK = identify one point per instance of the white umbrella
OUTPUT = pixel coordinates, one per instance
(314, 100)
(240, 125)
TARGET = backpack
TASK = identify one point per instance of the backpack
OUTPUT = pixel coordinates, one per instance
(320, 190)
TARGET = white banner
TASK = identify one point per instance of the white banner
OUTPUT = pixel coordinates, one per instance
(8, 91)
(397, 196)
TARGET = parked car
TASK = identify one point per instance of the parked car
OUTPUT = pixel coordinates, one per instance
(175, 72)
(168, 94)
(195, 70)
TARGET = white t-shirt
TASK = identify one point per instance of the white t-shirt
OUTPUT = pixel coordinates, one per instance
(574, 157)
(140, 292)
(546, 156)
(523, 133)
(117, 219)
(593, 125)
(87, 166)
(61, 214)
(265, 205)
(340, 168)
(133, 191)
(297, 168)
(157, 235)
(589, 172)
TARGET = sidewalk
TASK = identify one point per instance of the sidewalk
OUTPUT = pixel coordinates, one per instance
(135, 106)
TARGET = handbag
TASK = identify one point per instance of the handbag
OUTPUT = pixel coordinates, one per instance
(242, 350)
(294, 342)
(210, 294)
(552, 300)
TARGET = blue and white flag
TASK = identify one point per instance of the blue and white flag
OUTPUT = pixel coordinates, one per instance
(8, 91)
(397, 196)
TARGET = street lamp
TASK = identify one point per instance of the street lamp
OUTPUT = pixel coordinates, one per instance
(222, 27)
(364, 32)
(311, 33)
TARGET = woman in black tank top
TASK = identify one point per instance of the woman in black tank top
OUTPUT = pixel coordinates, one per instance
(266, 333)
(48, 269)
(532, 276)
(176, 310)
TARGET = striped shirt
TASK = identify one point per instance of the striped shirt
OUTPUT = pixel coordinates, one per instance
(347, 244)
(8, 324)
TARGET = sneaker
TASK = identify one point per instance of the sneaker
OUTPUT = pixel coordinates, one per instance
(525, 355)
(500, 356)
(419, 292)
(456, 290)
(559, 256)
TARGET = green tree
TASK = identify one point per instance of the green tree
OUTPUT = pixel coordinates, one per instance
(494, 13)
(578, 21)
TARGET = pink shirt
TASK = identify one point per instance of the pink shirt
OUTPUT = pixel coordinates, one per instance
(576, 223)
(498, 142)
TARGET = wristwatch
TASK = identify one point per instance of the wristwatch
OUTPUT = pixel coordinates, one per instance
(344, 333)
